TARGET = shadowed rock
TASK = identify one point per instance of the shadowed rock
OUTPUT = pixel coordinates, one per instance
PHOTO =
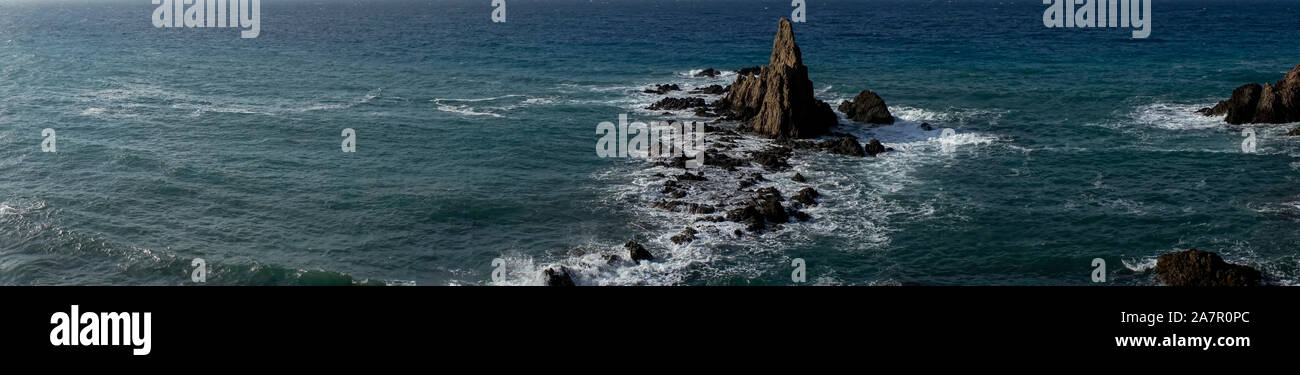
(673, 104)
(663, 89)
(557, 276)
(867, 107)
(843, 145)
(637, 252)
(874, 147)
(710, 90)
(806, 196)
(1203, 268)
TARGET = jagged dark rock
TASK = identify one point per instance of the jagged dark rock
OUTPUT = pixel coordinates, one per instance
(1293, 132)
(753, 70)
(557, 276)
(777, 100)
(800, 215)
(687, 235)
(874, 147)
(747, 215)
(714, 158)
(772, 209)
(673, 104)
(806, 196)
(770, 192)
(867, 107)
(711, 90)
(708, 73)
(798, 178)
(663, 89)
(1203, 268)
(637, 252)
(843, 145)
(691, 177)
(775, 158)
(1274, 103)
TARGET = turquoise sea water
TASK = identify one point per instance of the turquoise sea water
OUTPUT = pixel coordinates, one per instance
(475, 141)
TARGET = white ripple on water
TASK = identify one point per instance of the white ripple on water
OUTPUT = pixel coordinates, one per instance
(490, 106)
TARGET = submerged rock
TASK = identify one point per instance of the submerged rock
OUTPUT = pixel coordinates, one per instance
(777, 100)
(1275, 103)
(867, 107)
(798, 178)
(1203, 268)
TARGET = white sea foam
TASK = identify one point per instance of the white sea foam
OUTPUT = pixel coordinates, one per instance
(491, 106)
(1170, 116)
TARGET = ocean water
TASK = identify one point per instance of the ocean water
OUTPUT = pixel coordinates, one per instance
(475, 142)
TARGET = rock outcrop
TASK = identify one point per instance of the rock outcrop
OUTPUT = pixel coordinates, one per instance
(1275, 103)
(637, 252)
(867, 107)
(557, 276)
(1203, 268)
(777, 100)
(874, 147)
(710, 90)
(663, 89)
(674, 104)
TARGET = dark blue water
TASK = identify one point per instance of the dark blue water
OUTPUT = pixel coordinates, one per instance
(475, 141)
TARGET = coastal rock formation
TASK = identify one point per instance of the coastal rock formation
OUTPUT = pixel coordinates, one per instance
(663, 89)
(867, 107)
(1203, 268)
(637, 252)
(1275, 103)
(673, 104)
(710, 90)
(874, 147)
(843, 145)
(557, 276)
(777, 100)
(806, 196)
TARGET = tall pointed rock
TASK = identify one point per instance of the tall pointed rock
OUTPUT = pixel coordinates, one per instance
(777, 101)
